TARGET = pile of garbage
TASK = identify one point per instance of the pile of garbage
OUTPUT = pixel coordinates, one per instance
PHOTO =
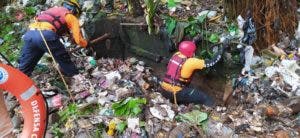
(122, 98)
(113, 97)
(120, 95)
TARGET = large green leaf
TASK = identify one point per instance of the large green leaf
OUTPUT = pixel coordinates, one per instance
(128, 107)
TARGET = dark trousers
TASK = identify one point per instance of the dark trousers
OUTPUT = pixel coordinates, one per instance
(190, 95)
(34, 48)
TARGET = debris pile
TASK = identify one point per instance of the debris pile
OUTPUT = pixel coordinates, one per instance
(122, 98)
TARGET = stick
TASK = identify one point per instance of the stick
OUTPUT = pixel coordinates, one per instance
(55, 63)
(133, 24)
(99, 39)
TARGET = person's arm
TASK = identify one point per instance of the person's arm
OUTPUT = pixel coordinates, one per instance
(73, 25)
(190, 66)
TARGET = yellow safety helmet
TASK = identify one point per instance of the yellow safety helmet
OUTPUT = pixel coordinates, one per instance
(73, 6)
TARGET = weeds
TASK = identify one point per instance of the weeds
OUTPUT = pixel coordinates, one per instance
(10, 32)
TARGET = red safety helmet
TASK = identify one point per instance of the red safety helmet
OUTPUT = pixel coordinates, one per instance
(187, 48)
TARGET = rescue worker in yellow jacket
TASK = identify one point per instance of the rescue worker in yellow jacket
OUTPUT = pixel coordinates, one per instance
(53, 23)
(179, 73)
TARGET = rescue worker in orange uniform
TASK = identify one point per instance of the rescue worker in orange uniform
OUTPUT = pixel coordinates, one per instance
(53, 23)
(179, 73)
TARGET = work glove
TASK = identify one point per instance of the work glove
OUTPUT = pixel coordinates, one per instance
(215, 59)
(197, 39)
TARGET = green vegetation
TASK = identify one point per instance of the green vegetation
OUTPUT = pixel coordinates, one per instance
(151, 7)
(128, 107)
(10, 30)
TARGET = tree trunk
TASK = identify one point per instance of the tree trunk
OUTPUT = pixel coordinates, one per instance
(135, 8)
(271, 18)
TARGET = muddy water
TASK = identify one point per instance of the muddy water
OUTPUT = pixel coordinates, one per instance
(127, 41)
